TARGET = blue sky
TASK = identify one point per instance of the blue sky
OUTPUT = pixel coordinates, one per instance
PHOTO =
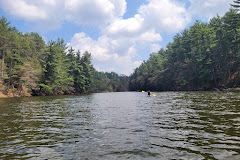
(119, 34)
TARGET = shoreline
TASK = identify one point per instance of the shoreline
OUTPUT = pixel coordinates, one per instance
(12, 95)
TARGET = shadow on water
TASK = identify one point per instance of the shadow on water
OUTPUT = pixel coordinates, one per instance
(127, 125)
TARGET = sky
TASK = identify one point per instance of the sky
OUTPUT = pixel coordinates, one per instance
(119, 34)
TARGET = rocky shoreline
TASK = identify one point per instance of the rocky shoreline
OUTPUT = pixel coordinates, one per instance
(14, 94)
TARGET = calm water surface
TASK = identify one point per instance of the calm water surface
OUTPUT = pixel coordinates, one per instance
(130, 125)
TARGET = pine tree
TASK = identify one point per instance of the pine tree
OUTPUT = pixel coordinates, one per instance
(56, 72)
(236, 4)
(87, 71)
(4, 42)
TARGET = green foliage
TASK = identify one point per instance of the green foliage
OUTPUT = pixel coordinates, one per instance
(45, 89)
(56, 74)
(109, 82)
(29, 65)
(67, 72)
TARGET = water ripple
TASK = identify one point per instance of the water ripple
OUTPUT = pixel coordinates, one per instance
(129, 125)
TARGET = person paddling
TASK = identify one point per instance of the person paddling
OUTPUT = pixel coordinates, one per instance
(149, 93)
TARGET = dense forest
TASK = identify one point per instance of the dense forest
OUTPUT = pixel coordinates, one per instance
(204, 57)
(28, 66)
(110, 82)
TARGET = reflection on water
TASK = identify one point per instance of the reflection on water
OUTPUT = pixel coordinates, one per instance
(129, 125)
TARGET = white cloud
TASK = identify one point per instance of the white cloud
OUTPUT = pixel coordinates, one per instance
(23, 9)
(155, 47)
(50, 2)
(114, 53)
(132, 51)
(52, 13)
(209, 8)
(99, 48)
(126, 27)
(150, 36)
(116, 47)
(108, 54)
(165, 15)
(87, 12)
(120, 7)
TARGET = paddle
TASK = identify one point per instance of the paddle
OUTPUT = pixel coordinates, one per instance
(153, 94)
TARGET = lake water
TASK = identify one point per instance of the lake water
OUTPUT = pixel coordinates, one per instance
(127, 125)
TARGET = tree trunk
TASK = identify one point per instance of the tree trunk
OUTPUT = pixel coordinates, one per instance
(3, 64)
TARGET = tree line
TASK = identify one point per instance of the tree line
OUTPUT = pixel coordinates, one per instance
(110, 82)
(204, 57)
(28, 66)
